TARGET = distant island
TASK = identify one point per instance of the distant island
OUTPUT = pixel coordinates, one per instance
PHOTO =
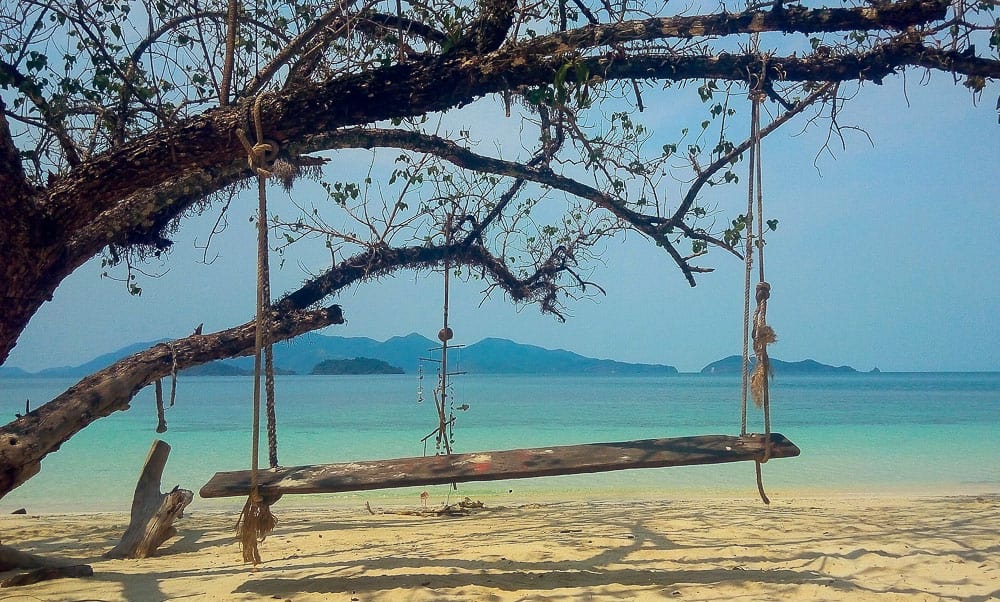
(314, 353)
(358, 365)
(734, 364)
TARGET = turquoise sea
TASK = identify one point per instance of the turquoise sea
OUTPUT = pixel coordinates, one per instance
(862, 434)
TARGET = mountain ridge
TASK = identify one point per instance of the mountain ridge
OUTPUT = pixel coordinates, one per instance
(491, 355)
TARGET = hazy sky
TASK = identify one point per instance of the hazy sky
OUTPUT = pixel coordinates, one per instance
(887, 258)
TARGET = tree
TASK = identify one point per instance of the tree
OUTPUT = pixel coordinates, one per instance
(120, 119)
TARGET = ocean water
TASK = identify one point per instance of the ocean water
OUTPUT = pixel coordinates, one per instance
(865, 434)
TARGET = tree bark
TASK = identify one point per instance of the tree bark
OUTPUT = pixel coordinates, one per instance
(153, 513)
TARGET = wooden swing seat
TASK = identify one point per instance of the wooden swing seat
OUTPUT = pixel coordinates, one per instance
(499, 465)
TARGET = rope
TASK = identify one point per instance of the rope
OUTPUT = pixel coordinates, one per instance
(748, 270)
(272, 429)
(256, 520)
(161, 418)
(756, 329)
(173, 373)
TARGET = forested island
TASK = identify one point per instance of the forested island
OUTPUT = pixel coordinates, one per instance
(358, 365)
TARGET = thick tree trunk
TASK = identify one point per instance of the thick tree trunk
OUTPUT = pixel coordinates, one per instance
(153, 512)
(22, 296)
(29, 246)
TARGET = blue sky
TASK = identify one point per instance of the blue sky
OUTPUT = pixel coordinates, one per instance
(885, 256)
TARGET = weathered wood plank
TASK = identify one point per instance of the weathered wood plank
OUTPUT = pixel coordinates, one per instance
(498, 465)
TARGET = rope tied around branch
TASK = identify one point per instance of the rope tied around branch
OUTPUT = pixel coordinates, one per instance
(262, 153)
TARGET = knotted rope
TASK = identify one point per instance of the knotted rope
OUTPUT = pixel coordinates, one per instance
(256, 520)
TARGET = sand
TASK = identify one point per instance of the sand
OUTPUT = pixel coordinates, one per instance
(821, 548)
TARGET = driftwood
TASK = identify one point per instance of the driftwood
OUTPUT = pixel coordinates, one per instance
(44, 568)
(13, 559)
(463, 508)
(45, 574)
(153, 512)
(496, 465)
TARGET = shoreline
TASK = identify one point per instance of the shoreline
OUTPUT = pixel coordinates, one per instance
(441, 494)
(850, 547)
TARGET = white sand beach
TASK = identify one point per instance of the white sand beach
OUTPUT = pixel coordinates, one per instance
(800, 548)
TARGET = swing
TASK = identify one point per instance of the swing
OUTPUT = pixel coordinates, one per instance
(270, 484)
(499, 465)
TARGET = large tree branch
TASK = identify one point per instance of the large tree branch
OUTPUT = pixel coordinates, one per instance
(790, 19)
(409, 27)
(874, 65)
(433, 84)
(466, 159)
(13, 180)
(25, 441)
(171, 198)
(90, 196)
(488, 30)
